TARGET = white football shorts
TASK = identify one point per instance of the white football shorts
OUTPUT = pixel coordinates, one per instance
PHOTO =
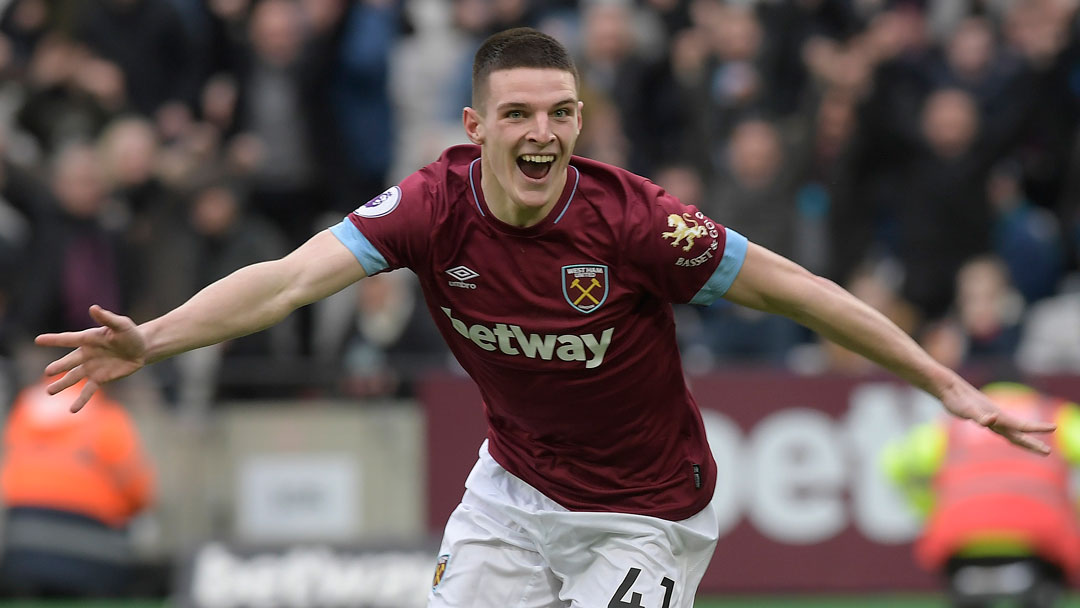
(509, 546)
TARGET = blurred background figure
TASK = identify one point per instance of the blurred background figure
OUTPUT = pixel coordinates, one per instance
(277, 111)
(1048, 344)
(378, 337)
(984, 323)
(1001, 524)
(70, 484)
(1027, 238)
(148, 42)
(213, 240)
(79, 255)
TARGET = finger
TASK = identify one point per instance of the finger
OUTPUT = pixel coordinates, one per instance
(988, 419)
(107, 318)
(69, 379)
(1029, 442)
(84, 396)
(67, 339)
(1025, 426)
(67, 362)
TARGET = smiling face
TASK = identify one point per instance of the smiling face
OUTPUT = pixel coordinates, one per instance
(526, 122)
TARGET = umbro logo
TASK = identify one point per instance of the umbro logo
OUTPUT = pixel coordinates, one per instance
(462, 274)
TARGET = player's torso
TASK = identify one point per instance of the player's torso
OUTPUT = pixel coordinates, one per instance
(558, 300)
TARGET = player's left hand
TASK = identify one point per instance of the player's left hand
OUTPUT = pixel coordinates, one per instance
(966, 401)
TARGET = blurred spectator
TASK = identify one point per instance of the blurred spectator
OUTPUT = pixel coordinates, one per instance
(879, 70)
(1048, 344)
(985, 323)
(1001, 523)
(148, 42)
(668, 100)
(78, 255)
(682, 181)
(876, 287)
(278, 100)
(971, 61)
(603, 137)
(1027, 238)
(24, 207)
(217, 237)
(1045, 34)
(512, 13)
(361, 100)
(70, 485)
(610, 71)
(733, 84)
(989, 309)
(790, 29)
(827, 183)
(71, 94)
(24, 24)
(754, 193)
(129, 152)
(129, 149)
(945, 217)
(674, 14)
(388, 340)
(223, 39)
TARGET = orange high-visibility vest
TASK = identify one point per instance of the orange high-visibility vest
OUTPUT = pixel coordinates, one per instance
(989, 487)
(89, 463)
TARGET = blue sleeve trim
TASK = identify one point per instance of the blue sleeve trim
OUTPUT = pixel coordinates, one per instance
(724, 275)
(369, 257)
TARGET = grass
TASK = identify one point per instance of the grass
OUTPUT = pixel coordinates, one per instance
(804, 601)
(850, 601)
(792, 601)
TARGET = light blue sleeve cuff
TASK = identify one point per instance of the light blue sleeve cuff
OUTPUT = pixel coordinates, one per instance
(357, 243)
(724, 275)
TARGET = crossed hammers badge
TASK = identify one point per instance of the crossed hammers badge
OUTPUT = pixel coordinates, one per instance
(585, 286)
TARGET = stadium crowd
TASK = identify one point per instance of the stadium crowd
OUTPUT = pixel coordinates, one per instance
(922, 153)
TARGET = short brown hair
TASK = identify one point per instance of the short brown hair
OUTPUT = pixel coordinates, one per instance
(520, 47)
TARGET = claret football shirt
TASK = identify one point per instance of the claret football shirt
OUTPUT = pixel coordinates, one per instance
(566, 326)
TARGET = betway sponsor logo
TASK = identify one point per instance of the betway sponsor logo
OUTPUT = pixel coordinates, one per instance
(308, 577)
(512, 340)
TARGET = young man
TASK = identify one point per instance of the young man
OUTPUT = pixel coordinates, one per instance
(551, 278)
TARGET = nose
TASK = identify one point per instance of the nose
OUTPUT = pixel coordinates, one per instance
(541, 132)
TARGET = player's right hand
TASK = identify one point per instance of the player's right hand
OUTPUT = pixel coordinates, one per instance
(102, 354)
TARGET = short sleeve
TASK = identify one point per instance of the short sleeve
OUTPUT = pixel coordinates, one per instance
(681, 254)
(391, 230)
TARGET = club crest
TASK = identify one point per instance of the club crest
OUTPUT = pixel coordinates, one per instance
(440, 570)
(585, 286)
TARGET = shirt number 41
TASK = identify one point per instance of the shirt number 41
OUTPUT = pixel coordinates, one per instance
(619, 599)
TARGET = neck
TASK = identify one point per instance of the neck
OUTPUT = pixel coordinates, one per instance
(509, 211)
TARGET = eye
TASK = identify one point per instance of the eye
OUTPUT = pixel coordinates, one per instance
(562, 113)
(515, 114)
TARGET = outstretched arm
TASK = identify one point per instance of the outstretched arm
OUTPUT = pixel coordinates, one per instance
(771, 283)
(248, 300)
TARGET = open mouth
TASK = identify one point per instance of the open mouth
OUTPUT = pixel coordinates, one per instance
(535, 166)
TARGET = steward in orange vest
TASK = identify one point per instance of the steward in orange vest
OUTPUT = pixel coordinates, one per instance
(1001, 520)
(70, 484)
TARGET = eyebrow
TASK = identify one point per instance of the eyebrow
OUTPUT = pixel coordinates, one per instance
(569, 101)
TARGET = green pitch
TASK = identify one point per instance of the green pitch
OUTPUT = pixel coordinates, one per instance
(803, 601)
(793, 601)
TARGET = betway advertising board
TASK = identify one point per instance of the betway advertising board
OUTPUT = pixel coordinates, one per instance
(803, 502)
(220, 575)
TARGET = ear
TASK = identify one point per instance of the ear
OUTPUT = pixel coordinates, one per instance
(580, 106)
(474, 125)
